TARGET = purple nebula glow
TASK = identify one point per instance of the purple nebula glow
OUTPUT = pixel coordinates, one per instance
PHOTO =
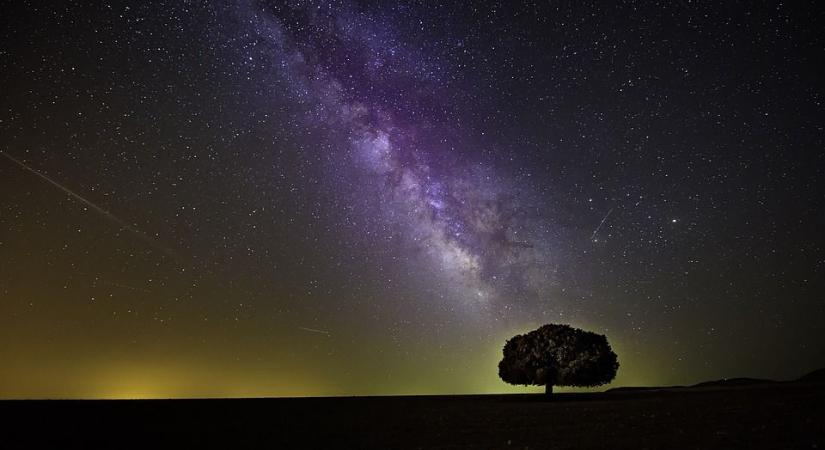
(358, 83)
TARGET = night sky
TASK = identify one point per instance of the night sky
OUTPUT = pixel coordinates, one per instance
(328, 198)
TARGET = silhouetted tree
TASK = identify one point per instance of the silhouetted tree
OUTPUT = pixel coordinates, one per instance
(558, 355)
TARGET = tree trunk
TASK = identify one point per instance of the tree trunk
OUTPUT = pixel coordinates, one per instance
(548, 389)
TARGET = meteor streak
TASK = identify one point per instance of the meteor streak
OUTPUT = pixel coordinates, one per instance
(123, 225)
(593, 236)
(313, 330)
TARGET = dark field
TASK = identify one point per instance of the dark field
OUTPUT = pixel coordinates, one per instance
(785, 415)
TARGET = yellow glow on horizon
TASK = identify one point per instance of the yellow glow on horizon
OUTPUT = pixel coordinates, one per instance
(146, 382)
(190, 373)
(158, 381)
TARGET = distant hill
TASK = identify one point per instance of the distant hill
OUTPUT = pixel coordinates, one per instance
(817, 376)
(730, 382)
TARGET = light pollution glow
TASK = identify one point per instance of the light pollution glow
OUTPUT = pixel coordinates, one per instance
(165, 377)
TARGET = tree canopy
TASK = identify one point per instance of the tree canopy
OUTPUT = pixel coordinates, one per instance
(560, 355)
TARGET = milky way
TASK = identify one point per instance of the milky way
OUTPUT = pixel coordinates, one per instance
(341, 66)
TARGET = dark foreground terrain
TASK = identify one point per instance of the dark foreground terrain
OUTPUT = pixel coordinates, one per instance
(759, 415)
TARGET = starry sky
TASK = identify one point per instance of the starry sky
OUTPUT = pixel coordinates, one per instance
(287, 198)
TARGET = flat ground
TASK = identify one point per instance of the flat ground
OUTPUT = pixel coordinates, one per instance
(782, 416)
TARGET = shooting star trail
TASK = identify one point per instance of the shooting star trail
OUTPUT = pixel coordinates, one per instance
(123, 225)
(593, 236)
(126, 286)
(313, 330)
